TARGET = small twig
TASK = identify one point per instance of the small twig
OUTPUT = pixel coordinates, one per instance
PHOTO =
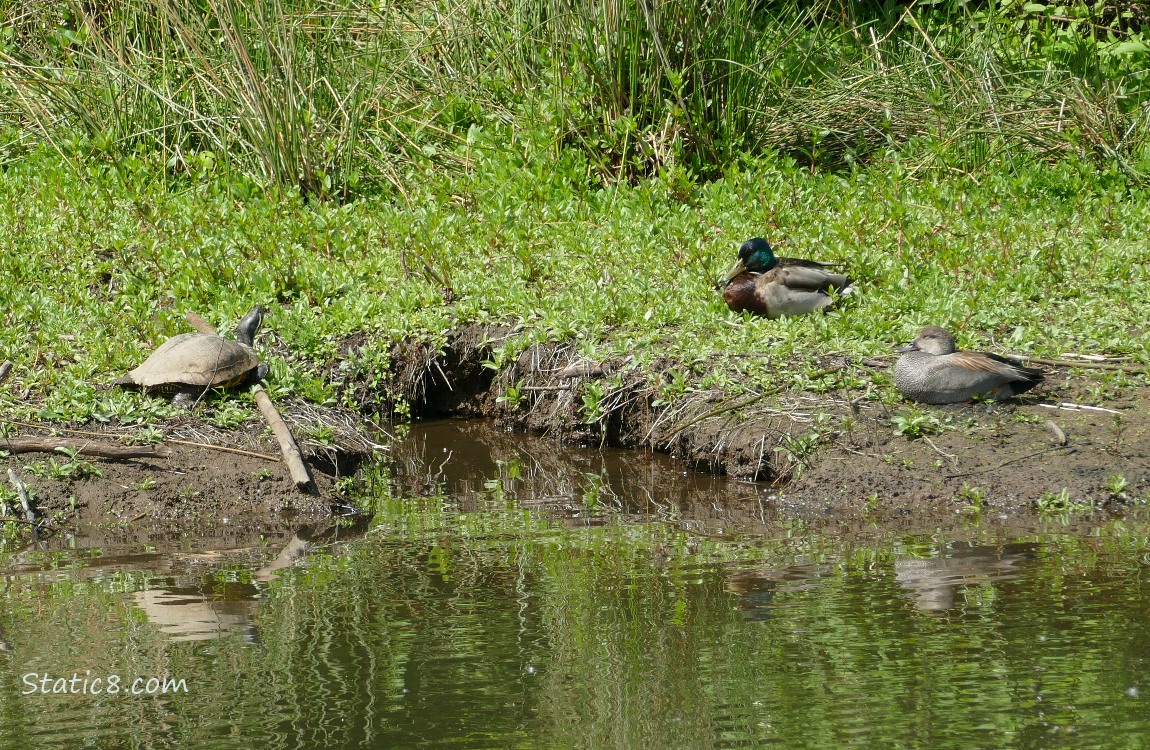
(81, 448)
(22, 493)
(1084, 363)
(1005, 463)
(1059, 435)
(225, 449)
(1078, 407)
(9, 519)
(1094, 357)
(953, 458)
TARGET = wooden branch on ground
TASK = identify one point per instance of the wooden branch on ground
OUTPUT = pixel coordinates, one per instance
(1086, 363)
(225, 449)
(1059, 434)
(82, 447)
(288, 447)
(292, 457)
(10, 519)
(200, 324)
(161, 451)
(1009, 461)
(1078, 407)
(22, 492)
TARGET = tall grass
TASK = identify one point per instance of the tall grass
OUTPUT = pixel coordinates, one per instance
(341, 96)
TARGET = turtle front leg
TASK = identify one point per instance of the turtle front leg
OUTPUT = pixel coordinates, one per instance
(187, 397)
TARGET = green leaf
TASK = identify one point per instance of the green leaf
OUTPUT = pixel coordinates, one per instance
(1128, 47)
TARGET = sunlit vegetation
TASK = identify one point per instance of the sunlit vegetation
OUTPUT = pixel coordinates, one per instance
(581, 170)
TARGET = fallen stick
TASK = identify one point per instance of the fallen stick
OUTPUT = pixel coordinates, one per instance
(82, 447)
(1009, 461)
(200, 324)
(173, 441)
(290, 450)
(22, 492)
(288, 447)
(1059, 435)
(10, 519)
(1078, 407)
(1094, 357)
(1085, 364)
(225, 449)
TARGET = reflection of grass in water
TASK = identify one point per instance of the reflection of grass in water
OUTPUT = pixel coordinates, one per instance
(500, 626)
(607, 635)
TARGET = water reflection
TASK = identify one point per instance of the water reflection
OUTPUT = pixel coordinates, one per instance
(931, 583)
(203, 608)
(757, 587)
(192, 614)
(509, 594)
(468, 461)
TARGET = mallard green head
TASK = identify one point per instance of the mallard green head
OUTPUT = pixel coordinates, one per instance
(755, 255)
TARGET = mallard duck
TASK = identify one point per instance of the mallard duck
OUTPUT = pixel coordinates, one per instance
(771, 286)
(933, 370)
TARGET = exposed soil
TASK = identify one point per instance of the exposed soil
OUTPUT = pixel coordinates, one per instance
(838, 452)
(210, 478)
(826, 454)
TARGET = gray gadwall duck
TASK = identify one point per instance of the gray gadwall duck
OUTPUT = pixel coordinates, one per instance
(933, 370)
(771, 286)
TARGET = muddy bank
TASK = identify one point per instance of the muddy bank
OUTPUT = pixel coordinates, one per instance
(810, 455)
(837, 451)
(206, 478)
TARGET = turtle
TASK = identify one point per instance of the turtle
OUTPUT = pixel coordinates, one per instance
(191, 363)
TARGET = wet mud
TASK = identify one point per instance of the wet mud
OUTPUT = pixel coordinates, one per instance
(208, 480)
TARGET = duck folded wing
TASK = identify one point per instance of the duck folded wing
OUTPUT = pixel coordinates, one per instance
(804, 263)
(811, 279)
(992, 363)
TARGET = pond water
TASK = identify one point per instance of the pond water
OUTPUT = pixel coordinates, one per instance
(508, 593)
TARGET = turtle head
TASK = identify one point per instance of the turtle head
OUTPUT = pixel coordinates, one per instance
(249, 325)
(755, 256)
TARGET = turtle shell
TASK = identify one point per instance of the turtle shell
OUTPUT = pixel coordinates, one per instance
(194, 359)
